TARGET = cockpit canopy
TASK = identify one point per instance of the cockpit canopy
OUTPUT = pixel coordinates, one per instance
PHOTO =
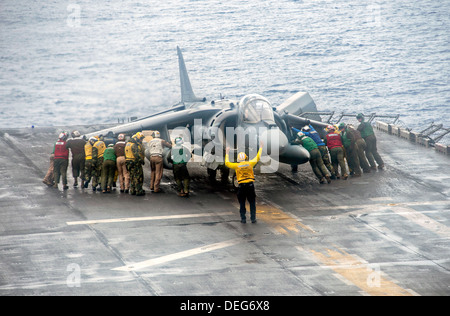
(254, 108)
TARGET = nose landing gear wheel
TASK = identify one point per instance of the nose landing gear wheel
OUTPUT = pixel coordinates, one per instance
(234, 182)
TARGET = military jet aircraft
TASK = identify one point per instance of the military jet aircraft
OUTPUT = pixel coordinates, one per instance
(238, 124)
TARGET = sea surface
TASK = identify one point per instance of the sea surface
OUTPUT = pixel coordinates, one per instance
(85, 62)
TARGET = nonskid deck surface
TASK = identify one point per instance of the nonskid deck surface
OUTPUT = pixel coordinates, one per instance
(385, 233)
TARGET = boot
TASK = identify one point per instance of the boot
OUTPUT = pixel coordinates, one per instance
(49, 184)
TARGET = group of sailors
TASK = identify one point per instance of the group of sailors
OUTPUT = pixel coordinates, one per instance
(343, 142)
(101, 163)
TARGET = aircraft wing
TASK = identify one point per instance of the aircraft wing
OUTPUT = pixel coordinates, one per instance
(163, 121)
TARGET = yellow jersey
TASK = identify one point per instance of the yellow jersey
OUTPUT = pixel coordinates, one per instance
(100, 145)
(88, 151)
(244, 169)
(129, 154)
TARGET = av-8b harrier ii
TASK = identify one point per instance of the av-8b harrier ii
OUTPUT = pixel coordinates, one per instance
(385, 233)
(239, 124)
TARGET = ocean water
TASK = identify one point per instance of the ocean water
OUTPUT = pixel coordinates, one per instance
(84, 62)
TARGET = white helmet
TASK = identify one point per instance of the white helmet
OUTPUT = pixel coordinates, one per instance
(76, 134)
(63, 135)
(242, 156)
(178, 140)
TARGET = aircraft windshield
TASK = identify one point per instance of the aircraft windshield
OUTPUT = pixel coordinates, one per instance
(255, 109)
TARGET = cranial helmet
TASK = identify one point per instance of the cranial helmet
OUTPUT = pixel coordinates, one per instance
(76, 134)
(178, 140)
(242, 156)
(139, 136)
(63, 135)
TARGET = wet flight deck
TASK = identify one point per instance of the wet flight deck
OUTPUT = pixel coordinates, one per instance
(385, 233)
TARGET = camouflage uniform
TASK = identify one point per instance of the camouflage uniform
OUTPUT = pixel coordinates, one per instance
(134, 153)
(90, 153)
(97, 156)
(88, 171)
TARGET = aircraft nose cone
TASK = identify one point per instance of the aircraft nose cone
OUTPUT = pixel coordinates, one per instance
(275, 142)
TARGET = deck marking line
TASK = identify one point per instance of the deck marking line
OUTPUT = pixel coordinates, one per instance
(359, 273)
(371, 206)
(146, 218)
(179, 255)
(423, 220)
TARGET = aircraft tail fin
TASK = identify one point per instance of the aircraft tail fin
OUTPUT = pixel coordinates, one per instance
(187, 93)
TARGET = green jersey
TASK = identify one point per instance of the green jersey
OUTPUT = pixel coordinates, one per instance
(366, 129)
(308, 143)
(180, 154)
(109, 154)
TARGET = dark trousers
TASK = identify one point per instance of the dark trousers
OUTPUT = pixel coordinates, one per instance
(245, 192)
(60, 170)
(181, 176)
(78, 166)
(108, 172)
(372, 151)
